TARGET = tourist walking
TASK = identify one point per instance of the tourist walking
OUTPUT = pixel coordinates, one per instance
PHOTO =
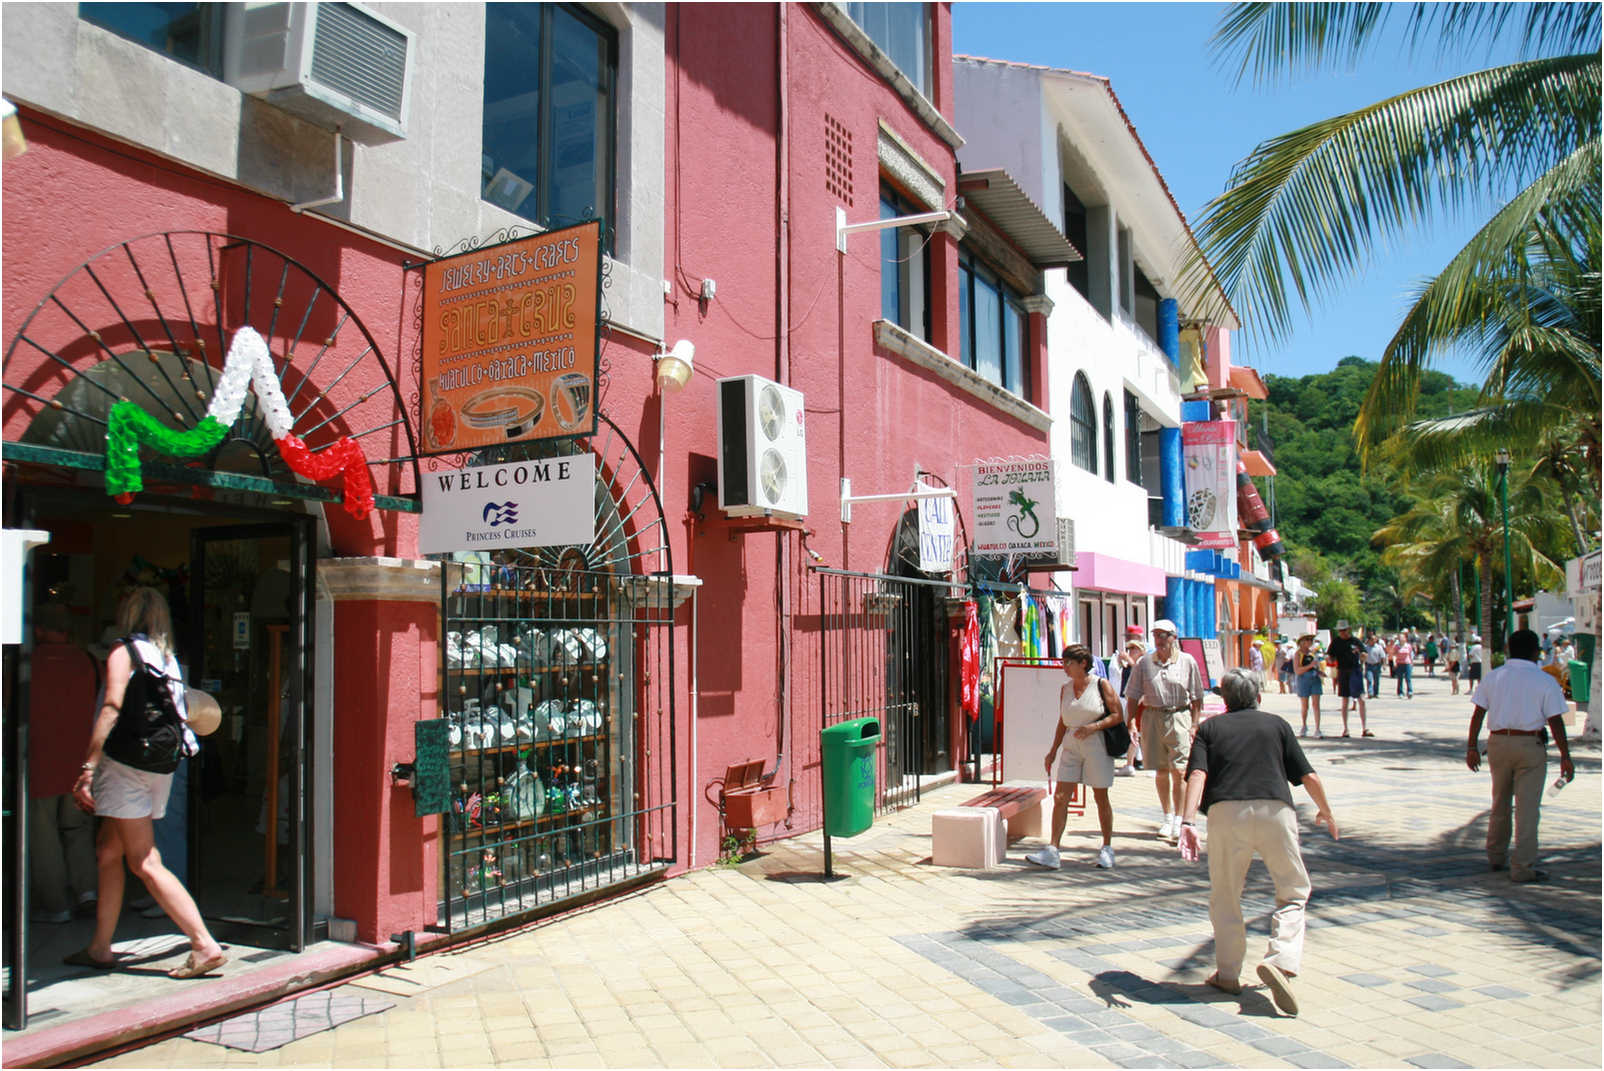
(128, 799)
(1349, 654)
(1429, 654)
(1474, 654)
(1375, 658)
(1517, 699)
(1284, 652)
(1167, 688)
(1238, 774)
(1403, 666)
(1453, 655)
(1086, 706)
(1306, 672)
(1134, 650)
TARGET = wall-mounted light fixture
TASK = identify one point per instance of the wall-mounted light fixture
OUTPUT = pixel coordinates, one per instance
(14, 143)
(675, 367)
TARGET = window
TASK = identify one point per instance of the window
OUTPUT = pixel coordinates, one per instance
(192, 34)
(1075, 231)
(1108, 437)
(1133, 439)
(1147, 299)
(993, 327)
(902, 31)
(547, 148)
(904, 268)
(1083, 425)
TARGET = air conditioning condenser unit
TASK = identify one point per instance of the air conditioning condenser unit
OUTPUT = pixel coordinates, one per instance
(332, 64)
(762, 449)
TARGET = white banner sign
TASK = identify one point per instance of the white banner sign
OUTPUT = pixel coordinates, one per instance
(935, 532)
(1015, 509)
(1209, 447)
(546, 503)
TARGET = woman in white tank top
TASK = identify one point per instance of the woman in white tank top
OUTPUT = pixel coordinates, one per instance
(1086, 706)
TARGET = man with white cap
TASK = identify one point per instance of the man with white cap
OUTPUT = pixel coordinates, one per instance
(1349, 654)
(1166, 693)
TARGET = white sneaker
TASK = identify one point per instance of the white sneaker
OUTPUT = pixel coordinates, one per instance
(1047, 857)
(1105, 857)
(1164, 827)
(1125, 771)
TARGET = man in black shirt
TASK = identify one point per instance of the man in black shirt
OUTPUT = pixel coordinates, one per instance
(1349, 652)
(1241, 764)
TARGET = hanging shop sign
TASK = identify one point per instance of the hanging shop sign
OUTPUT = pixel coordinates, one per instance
(1015, 508)
(936, 532)
(1209, 449)
(509, 342)
(549, 502)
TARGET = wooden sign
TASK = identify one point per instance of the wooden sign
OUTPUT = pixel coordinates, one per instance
(509, 342)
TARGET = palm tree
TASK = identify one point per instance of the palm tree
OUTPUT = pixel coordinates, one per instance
(1307, 209)
(1456, 518)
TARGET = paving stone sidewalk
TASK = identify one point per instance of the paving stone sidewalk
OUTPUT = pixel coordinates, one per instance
(1416, 955)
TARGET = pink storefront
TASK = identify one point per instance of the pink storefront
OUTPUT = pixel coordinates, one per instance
(684, 640)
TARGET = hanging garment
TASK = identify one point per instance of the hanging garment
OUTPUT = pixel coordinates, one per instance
(969, 662)
(1005, 627)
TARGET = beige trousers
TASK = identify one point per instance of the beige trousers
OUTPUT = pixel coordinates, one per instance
(1238, 829)
(1519, 765)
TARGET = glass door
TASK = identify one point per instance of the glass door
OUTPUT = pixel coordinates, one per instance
(251, 589)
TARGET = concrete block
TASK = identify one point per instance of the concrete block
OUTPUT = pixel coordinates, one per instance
(974, 838)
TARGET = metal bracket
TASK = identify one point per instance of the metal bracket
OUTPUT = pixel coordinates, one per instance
(843, 228)
(848, 498)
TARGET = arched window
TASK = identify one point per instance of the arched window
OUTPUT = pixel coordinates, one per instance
(1108, 437)
(1083, 425)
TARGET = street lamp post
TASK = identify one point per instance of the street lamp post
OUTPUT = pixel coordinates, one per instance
(1503, 497)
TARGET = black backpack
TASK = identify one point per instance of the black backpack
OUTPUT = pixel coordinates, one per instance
(149, 734)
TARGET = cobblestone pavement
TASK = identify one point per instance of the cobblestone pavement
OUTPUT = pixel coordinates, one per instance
(1416, 955)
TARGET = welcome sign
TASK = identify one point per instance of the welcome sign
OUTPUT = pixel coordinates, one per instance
(550, 502)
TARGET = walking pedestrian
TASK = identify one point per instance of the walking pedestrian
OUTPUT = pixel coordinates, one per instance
(1429, 654)
(1134, 650)
(1238, 774)
(1403, 666)
(1168, 691)
(1516, 700)
(128, 800)
(1306, 671)
(1284, 652)
(1375, 658)
(1454, 654)
(1256, 663)
(1086, 706)
(1474, 654)
(1349, 655)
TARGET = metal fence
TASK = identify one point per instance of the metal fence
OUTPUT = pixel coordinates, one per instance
(558, 688)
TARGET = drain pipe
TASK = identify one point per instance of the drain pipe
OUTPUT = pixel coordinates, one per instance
(782, 363)
(339, 180)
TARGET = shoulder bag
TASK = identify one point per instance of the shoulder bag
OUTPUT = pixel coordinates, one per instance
(1117, 737)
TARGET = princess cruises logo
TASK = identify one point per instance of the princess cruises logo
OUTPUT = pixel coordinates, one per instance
(500, 513)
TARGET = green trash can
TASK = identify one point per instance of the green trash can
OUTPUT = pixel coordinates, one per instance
(1581, 682)
(848, 750)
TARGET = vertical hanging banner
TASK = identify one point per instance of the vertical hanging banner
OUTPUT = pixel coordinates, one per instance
(936, 532)
(1209, 449)
(1015, 508)
(509, 342)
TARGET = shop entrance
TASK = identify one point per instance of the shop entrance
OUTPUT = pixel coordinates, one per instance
(238, 582)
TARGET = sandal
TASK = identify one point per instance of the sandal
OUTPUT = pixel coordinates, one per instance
(1219, 983)
(1367, 732)
(82, 958)
(192, 969)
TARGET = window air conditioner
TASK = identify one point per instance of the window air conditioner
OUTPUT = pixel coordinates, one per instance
(762, 452)
(332, 64)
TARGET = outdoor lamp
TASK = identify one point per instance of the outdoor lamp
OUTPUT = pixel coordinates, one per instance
(674, 368)
(14, 143)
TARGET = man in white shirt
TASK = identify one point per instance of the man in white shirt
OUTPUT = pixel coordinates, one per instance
(1166, 693)
(1517, 699)
(1473, 655)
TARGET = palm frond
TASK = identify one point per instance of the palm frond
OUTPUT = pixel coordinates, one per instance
(1428, 446)
(1308, 207)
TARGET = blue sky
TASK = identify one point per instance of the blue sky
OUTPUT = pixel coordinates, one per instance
(1197, 125)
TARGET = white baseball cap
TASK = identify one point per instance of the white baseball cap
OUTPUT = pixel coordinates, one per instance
(1164, 624)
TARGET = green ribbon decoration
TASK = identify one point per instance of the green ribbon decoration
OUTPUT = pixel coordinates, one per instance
(130, 426)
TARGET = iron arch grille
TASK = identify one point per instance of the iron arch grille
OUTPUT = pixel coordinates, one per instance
(558, 690)
(150, 321)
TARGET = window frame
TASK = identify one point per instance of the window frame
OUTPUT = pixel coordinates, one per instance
(1083, 425)
(607, 34)
(922, 79)
(1108, 437)
(911, 246)
(1011, 309)
(1133, 439)
(209, 32)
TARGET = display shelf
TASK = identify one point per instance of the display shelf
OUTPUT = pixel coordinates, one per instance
(509, 671)
(511, 593)
(548, 820)
(464, 754)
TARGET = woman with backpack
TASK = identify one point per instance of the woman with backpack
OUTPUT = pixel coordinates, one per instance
(139, 737)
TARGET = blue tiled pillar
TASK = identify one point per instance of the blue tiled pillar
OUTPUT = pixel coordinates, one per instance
(1172, 474)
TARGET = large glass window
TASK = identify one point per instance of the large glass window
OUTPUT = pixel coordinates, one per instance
(993, 329)
(902, 31)
(904, 268)
(1075, 231)
(192, 34)
(1108, 437)
(1083, 425)
(547, 148)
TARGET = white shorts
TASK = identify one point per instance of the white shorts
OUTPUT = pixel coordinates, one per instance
(121, 791)
(1085, 761)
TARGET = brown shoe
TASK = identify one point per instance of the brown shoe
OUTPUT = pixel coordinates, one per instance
(1233, 988)
(1280, 988)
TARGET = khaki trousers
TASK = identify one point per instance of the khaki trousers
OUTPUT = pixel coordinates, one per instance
(1519, 765)
(1238, 829)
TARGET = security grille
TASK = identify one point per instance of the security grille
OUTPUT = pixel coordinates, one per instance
(838, 159)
